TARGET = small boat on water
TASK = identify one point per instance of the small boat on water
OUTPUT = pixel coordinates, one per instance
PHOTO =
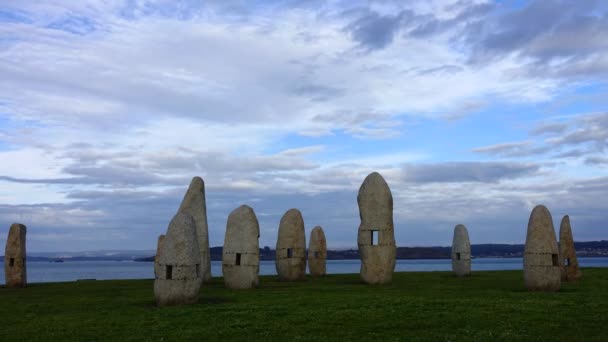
(58, 260)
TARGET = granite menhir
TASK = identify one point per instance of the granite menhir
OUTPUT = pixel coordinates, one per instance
(376, 239)
(291, 247)
(241, 252)
(461, 251)
(15, 267)
(541, 254)
(569, 263)
(317, 252)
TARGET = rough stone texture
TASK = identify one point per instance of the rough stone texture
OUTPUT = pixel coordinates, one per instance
(241, 252)
(291, 241)
(461, 251)
(541, 254)
(15, 267)
(376, 210)
(317, 252)
(179, 279)
(194, 205)
(159, 246)
(569, 263)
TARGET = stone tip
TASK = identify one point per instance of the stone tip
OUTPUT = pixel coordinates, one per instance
(197, 182)
(242, 208)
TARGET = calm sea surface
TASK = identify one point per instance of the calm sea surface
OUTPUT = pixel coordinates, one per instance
(41, 272)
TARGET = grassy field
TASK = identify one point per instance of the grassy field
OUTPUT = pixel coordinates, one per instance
(430, 306)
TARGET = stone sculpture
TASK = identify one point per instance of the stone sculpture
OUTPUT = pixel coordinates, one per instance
(241, 252)
(461, 251)
(179, 280)
(569, 263)
(317, 252)
(159, 246)
(194, 205)
(541, 254)
(376, 239)
(291, 247)
(15, 267)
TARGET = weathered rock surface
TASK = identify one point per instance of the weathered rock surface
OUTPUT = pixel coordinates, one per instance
(241, 252)
(179, 279)
(317, 252)
(376, 239)
(15, 267)
(461, 251)
(194, 204)
(159, 246)
(569, 263)
(291, 247)
(541, 254)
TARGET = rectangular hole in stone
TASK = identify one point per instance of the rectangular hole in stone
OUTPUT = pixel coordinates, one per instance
(198, 270)
(289, 252)
(238, 259)
(555, 259)
(457, 256)
(168, 272)
(316, 255)
(374, 237)
(11, 262)
(567, 262)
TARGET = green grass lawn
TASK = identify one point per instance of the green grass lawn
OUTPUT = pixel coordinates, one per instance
(423, 305)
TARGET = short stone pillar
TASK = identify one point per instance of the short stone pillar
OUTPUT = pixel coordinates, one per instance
(461, 252)
(541, 254)
(291, 247)
(15, 266)
(570, 270)
(376, 238)
(317, 252)
(179, 279)
(241, 251)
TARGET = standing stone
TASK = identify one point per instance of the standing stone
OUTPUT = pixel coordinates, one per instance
(461, 252)
(291, 247)
(541, 254)
(159, 246)
(179, 281)
(317, 252)
(241, 252)
(15, 268)
(194, 205)
(376, 237)
(569, 263)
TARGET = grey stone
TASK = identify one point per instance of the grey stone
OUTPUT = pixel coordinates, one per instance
(15, 267)
(194, 204)
(159, 246)
(461, 251)
(541, 254)
(569, 263)
(291, 247)
(376, 238)
(317, 252)
(179, 279)
(241, 252)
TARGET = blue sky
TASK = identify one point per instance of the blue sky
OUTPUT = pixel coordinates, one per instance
(474, 111)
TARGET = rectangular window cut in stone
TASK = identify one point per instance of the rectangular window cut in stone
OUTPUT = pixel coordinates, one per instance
(457, 256)
(169, 272)
(238, 259)
(567, 262)
(316, 255)
(289, 253)
(374, 237)
(11, 262)
(555, 259)
(198, 270)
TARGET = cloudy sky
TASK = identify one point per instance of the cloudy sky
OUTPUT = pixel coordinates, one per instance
(474, 111)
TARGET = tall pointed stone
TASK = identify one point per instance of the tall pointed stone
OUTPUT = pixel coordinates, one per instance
(569, 263)
(194, 205)
(541, 254)
(317, 252)
(15, 267)
(291, 247)
(461, 251)
(241, 252)
(179, 278)
(376, 238)
(159, 246)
